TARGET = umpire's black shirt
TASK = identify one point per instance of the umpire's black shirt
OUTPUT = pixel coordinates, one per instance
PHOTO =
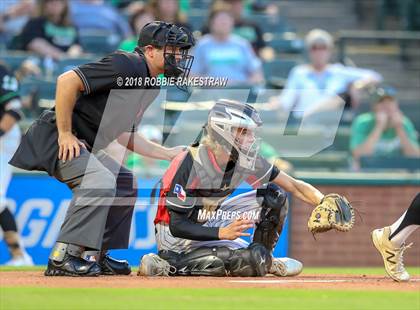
(113, 103)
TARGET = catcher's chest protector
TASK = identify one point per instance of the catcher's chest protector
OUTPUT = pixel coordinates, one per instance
(211, 183)
(211, 178)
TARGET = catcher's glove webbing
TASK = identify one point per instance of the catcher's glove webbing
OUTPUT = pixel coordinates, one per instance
(334, 211)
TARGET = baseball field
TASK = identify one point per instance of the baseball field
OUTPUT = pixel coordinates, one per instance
(315, 288)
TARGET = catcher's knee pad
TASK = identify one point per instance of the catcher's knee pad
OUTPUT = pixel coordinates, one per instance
(273, 214)
(253, 261)
(198, 262)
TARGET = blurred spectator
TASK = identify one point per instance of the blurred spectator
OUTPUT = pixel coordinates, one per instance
(243, 27)
(168, 11)
(225, 55)
(13, 16)
(148, 167)
(97, 16)
(140, 17)
(10, 115)
(308, 86)
(383, 132)
(51, 34)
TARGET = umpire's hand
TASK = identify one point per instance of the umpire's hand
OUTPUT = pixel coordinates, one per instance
(68, 146)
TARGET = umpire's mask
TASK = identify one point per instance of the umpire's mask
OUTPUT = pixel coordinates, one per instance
(176, 43)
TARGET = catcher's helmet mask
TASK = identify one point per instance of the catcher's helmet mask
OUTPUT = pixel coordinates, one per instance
(228, 123)
(170, 37)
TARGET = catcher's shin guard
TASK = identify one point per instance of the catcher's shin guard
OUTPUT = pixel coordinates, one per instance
(273, 215)
(253, 261)
(198, 262)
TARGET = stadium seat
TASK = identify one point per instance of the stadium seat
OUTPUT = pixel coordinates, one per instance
(278, 68)
(43, 89)
(342, 139)
(14, 59)
(412, 111)
(268, 23)
(197, 20)
(287, 42)
(380, 163)
(326, 160)
(99, 43)
(69, 63)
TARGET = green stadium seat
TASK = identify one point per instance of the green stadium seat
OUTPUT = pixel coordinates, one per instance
(380, 163)
(275, 24)
(99, 43)
(278, 68)
(342, 139)
(43, 89)
(14, 59)
(412, 111)
(287, 42)
(322, 161)
(197, 18)
(70, 63)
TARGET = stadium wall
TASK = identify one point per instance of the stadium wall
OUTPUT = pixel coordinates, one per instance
(377, 203)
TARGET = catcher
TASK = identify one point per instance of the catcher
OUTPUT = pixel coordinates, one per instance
(199, 230)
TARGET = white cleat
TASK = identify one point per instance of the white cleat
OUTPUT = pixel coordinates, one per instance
(391, 255)
(286, 267)
(152, 265)
(20, 261)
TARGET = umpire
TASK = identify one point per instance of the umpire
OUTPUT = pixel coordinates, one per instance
(68, 140)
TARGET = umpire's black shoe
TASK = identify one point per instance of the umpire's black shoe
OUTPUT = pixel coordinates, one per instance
(72, 266)
(111, 266)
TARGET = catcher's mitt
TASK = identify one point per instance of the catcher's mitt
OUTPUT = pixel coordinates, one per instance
(334, 211)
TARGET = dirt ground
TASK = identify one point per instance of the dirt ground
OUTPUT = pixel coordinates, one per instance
(339, 282)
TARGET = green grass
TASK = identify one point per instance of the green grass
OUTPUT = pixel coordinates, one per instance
(214, 298)
(178, 298)
(414, 271)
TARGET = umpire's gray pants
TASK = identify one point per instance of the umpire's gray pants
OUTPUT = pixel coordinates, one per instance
(104, 195)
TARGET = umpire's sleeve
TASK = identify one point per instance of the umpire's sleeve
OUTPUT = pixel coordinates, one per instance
(102, 75)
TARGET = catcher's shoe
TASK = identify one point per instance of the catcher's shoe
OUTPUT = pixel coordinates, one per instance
(111, 266)
(152, 265)
(392, 256)
(285, 267)
(72, 266)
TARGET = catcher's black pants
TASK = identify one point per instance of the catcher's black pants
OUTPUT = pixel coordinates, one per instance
(104, 195)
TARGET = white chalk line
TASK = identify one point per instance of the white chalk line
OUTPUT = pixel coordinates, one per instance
(305, 281)
(287, 281)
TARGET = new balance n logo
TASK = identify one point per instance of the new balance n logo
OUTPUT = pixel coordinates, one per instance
(391, 256)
